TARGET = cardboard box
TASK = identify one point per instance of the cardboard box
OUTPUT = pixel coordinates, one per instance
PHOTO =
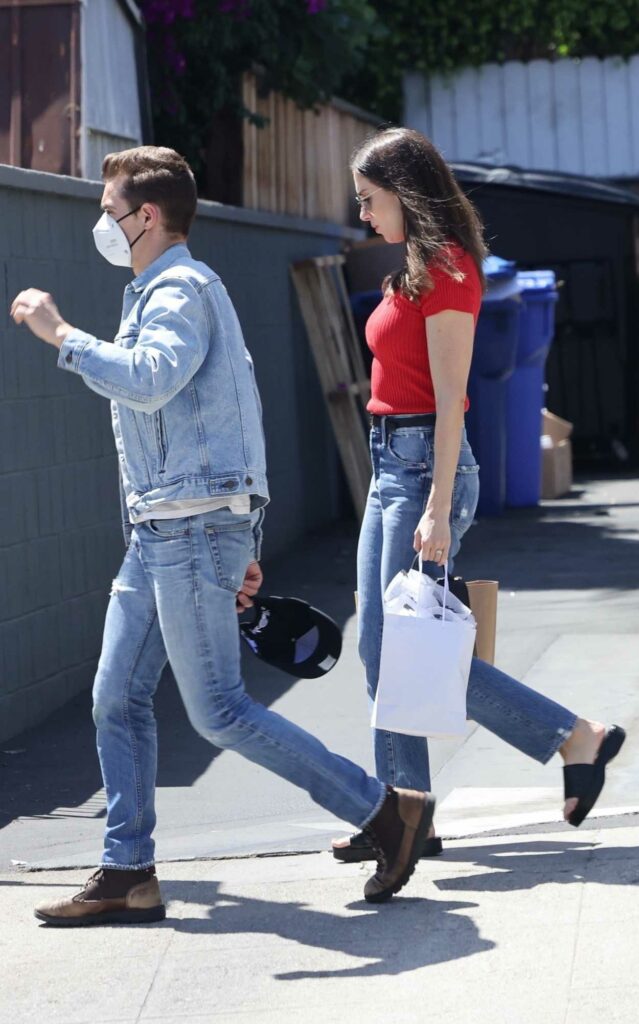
(554, 427)
(556, 456)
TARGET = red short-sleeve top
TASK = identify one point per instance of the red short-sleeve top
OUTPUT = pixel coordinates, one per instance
(400, 374)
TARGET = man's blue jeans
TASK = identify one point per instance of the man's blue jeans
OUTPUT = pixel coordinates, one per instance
(402, 476)
(174, 599)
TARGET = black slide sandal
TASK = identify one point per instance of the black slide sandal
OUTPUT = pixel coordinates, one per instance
(586, 781)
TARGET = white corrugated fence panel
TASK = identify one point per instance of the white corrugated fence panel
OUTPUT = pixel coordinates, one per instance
(618, 116)
(567, 120)
(593, 118)
(577, 116)
(443, 114)
(416, 89)
(517, 136)
(110, 103)
(633, 105)
(466, 127)
(98, 144)
(543, 134)
(491, 113)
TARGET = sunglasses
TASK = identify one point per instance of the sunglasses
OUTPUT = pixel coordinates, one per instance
(364, 202)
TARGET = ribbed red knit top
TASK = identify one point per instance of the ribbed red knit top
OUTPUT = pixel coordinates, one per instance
(396, 335)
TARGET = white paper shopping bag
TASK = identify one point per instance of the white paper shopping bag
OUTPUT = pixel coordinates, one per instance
(427, 647)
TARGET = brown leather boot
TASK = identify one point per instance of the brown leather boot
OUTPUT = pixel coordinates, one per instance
(397, 833)
(358, 847)
(110, 896)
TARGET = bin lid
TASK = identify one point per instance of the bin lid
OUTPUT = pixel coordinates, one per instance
(501, 279)
(497, 268)
(576, 186)
(537, 280)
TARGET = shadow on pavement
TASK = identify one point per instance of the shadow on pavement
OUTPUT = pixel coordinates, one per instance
(400, 936)
(539, 549)
(55, 766)
(518, 866)
(407, 933)
(554, 547)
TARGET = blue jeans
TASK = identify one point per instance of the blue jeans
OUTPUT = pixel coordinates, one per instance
(402, 476)
(174, 599)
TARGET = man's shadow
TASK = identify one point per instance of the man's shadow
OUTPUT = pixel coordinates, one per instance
(519, 866)
(399, 936)
(407, 933)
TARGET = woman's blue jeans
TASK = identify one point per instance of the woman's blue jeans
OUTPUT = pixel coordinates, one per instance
(402, 475)
(174, 599)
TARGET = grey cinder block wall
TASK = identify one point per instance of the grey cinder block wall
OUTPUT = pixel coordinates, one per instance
(60, 538)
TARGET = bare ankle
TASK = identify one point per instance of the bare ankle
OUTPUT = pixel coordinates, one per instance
(584, 734)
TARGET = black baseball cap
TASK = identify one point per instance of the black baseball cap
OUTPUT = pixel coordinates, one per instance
(292, 635)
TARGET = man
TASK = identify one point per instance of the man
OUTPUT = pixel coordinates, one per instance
(187, 423)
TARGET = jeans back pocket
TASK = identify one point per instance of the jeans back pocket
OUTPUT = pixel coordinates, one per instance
(231, 547)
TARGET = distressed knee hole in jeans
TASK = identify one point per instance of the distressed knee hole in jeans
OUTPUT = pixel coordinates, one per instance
(118, 587)
(465, 496)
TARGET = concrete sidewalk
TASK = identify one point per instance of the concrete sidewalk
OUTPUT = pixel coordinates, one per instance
(524, 920)
(537, 929)
(568, 624)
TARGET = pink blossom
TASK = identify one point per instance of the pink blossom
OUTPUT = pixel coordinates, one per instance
(164, 12)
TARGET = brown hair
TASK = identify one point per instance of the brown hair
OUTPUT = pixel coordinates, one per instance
(435, 209)
(155, 174)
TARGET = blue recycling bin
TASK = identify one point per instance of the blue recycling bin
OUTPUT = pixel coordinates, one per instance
(494, 361)
(525, 388)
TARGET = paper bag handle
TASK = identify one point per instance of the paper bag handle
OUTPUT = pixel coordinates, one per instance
(420, 563)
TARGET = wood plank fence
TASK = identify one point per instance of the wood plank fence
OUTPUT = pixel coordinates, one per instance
(327, 315)
(299, 162)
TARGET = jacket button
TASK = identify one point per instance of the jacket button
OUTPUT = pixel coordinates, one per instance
(229, 485)
(69, 357)
(249, 480)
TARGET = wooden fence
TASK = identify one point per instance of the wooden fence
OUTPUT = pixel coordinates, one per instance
(299, 162)
(336, 349)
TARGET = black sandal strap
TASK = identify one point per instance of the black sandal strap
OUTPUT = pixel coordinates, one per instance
(578, 780)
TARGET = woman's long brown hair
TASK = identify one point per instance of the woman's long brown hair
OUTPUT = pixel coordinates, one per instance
(435, 209)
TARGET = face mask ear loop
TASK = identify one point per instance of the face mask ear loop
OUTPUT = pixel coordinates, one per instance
(131, 244)
(129, 214)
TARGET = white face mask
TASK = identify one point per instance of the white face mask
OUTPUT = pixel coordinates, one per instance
(111, 242)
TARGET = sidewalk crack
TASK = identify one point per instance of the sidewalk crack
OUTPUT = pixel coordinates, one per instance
(155, 976)
(571, 972)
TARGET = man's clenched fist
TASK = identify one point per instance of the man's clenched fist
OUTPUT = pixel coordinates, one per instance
(39, 312)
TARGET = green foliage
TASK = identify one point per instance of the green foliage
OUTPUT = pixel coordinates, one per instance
(358, 49)
(440, 35)
(196, 59)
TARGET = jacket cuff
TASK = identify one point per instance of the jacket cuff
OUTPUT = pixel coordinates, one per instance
(71, 350)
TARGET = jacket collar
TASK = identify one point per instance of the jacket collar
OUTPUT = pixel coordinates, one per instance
(170, 256)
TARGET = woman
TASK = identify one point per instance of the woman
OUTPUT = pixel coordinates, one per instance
(425, 484)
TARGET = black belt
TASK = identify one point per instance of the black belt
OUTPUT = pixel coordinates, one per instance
(391, 423)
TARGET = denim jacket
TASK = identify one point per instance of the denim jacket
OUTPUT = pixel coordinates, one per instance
(185, 408)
